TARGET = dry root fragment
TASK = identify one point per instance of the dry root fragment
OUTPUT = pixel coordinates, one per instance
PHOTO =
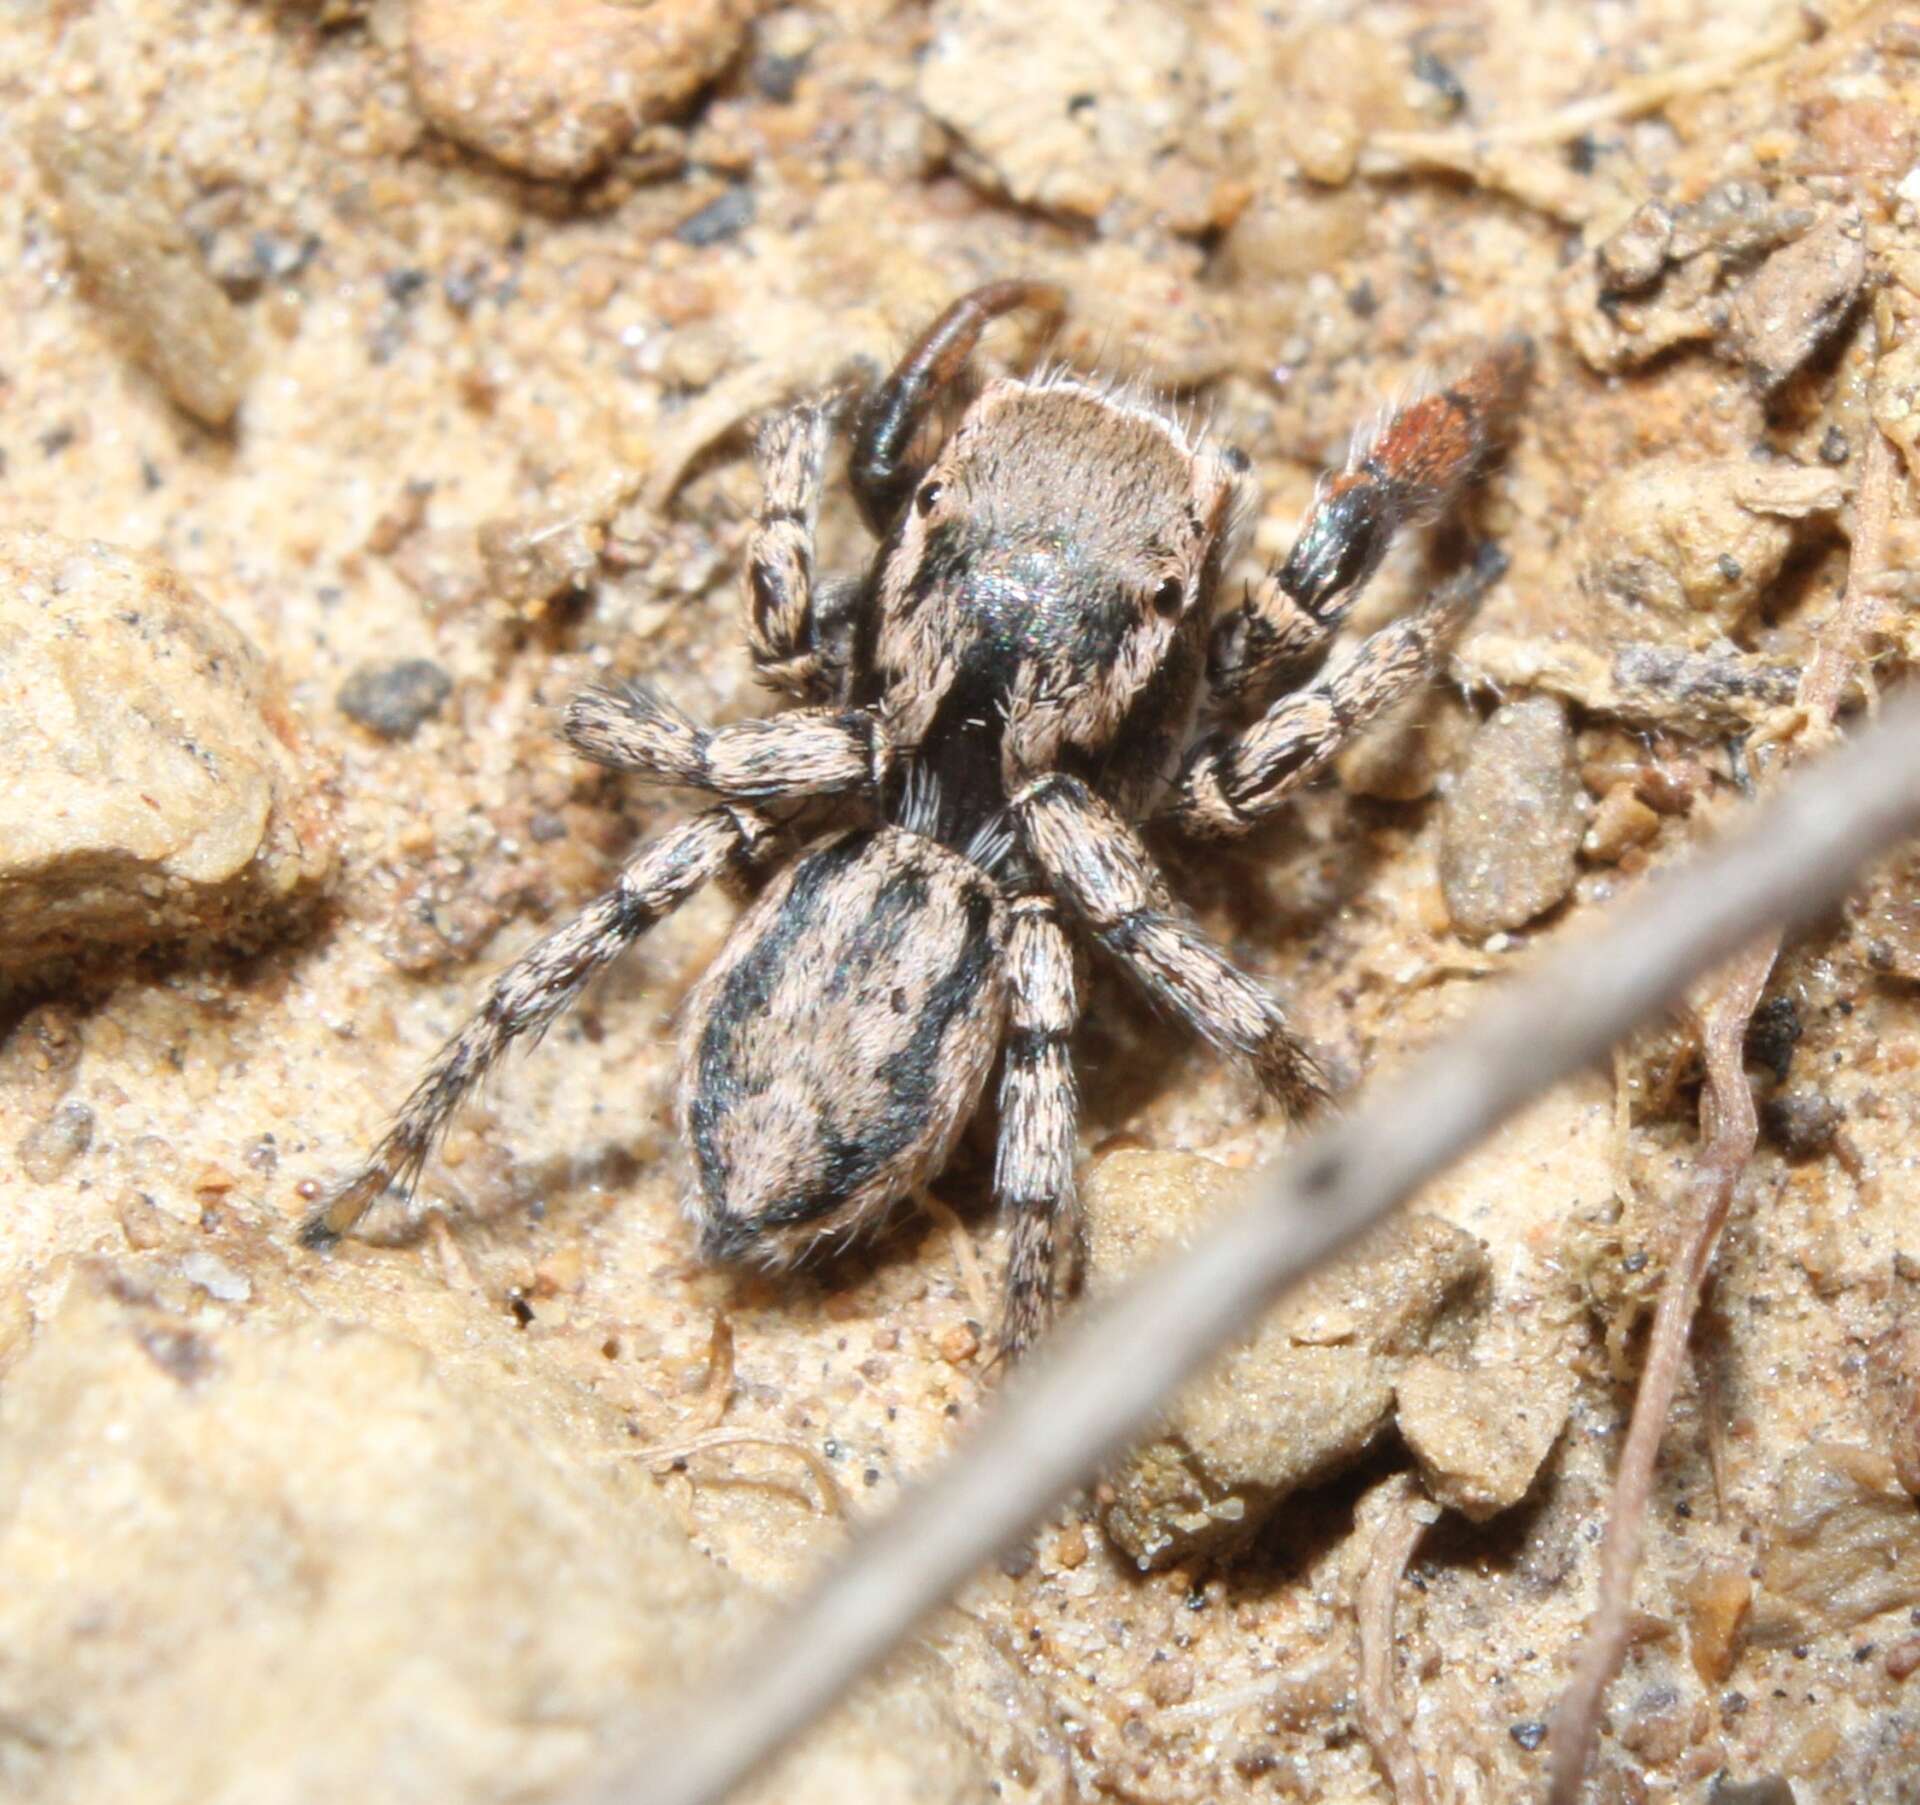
(965, 1255)
(1894, 1363)
(717, 1392)
(1730, 1127)
(1393, 1517)
(664, 1456)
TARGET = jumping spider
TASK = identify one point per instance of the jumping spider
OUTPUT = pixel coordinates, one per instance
(1013, 685)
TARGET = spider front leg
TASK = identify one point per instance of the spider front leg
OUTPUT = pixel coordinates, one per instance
(1093, 860)
(882, 474)
(795, 649)
(804, 752)
(536, 989)
(1039, 1120)
(1404, 473)
(1231, 781)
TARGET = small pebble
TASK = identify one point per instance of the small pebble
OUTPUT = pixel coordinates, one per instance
(557, 90)
(1843, 1545)
(1634, 256)
(719, 219)
(1620, 823)
(141, 1221)
(1071, 108)
(1773, 1034)
(1796, 300)
(1770, 1790)
(41, 1052)
(528, 560)
(1674, 551)
(1513, 821)
(778, 77)
(959, 1344)
(1715, 1603)
(49, 1150)
(1305, 1396)
(1801, 1123)
(215, 1277)
(393, 699)
(1480, 1434)
(1903, 1658)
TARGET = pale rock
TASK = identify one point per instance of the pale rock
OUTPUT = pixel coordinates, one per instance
(357, 1569)
(1481, 1433)
(556, 90)
(1306, 1394)
(1681, 549)
(1072, 109)
(1513, 820)
(144, 269)
(153, 782)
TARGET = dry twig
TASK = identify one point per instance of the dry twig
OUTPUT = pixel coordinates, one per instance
(1103, 1377)
(1398, 1516)
(1730, 1130)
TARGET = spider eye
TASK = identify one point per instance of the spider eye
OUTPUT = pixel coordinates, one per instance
(928, 498)
(1168, 597)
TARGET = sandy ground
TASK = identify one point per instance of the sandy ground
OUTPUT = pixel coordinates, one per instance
(430, 344)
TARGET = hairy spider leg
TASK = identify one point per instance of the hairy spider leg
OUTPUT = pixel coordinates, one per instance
(793, 649)
(531, 994)
(882, 474)
(1231, 781)
(1402, 473)
(1101, 868)
(782, 757)
(1033, 1176)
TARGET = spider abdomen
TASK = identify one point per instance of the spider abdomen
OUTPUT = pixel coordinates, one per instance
(839, 1043)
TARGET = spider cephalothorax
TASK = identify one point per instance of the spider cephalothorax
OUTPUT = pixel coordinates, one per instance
(1013, 685)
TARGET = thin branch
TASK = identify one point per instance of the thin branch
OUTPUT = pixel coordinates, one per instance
(1730, 1130)
(1398, 1516)
(1102, 1380)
